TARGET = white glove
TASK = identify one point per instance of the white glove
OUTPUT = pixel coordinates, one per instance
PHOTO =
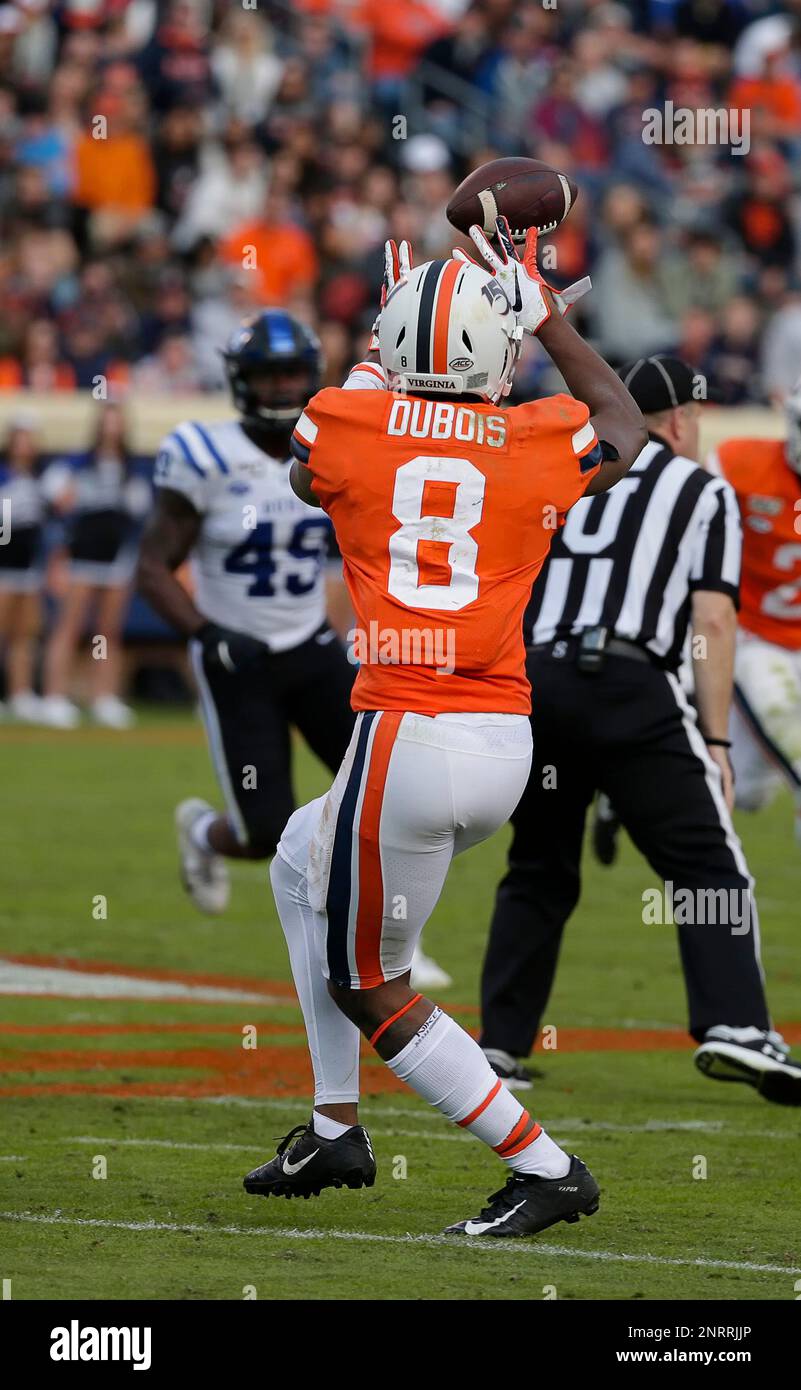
(521, 281)
(397, 264)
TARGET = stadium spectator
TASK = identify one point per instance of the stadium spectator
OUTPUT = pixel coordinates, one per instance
(215, 315)
(732, 362)
(175, 65)
(171, 370)
(176, 157)
(629, 307)
(274, 250)
(760, 214)
(704, 274)
(398, 34)
(781, 348)
(115, 175)
(559, 115)
(772, 97)
(245, 66)
(40, 366)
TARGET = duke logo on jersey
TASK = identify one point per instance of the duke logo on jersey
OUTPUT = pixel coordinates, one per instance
(260, 557)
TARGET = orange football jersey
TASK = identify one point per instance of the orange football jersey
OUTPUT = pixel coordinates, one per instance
(769, 494)
(444, 513)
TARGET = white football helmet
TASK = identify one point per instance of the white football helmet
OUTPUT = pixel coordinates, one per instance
(448, 327)
(792, 408)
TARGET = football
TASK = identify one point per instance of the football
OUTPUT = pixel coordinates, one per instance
(526, 192)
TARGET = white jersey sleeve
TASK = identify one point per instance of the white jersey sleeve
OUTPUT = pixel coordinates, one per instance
(188, 461)
(366, 376)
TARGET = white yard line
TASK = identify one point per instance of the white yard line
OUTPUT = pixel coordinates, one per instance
(373, 1238)
(245, 1148)
(553, 1126)
(65, 982)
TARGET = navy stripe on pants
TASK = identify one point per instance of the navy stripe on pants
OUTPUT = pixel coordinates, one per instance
(338, 898)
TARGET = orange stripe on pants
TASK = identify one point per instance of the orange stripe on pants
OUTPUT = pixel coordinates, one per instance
(370, 912)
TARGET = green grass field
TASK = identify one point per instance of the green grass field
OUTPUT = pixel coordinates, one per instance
(161, 1095)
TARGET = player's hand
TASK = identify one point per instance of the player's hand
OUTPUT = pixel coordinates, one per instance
(720, 755)
(397, 264)
(531, 298)
(226, 650)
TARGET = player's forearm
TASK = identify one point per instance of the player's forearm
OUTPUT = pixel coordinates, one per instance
(167, 596)
(616, 418)
(713, 664)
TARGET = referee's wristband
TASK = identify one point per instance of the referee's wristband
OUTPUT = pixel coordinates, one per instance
(718, 742)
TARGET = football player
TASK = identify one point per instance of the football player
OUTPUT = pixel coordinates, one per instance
(444, 501)
(766, 717)
(263, 653)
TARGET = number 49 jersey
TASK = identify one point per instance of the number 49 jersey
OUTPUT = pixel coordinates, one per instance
(260, 557)
(444, 514)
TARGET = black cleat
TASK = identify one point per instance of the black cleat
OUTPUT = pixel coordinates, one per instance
(605, 830)
(748, 1054)
(313, 1163)
(528, 1204)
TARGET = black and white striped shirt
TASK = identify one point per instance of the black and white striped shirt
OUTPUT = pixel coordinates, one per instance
(629, 559)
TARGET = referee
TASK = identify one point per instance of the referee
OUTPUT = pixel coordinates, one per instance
(629, 572)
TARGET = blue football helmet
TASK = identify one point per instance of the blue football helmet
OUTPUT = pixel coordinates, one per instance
(272, 341)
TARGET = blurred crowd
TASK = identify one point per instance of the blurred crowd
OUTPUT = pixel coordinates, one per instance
(166, 166)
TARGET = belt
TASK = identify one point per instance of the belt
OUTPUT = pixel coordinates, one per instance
(615, 646)
(620, 646)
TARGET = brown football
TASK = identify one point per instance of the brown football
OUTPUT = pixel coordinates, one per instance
(526, 192)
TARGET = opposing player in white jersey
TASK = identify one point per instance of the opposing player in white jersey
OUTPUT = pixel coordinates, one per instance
(263, 652)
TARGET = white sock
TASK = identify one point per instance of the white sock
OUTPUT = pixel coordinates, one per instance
(333, 1039)
(445, 1066)
(199, 833)
(326, 1127)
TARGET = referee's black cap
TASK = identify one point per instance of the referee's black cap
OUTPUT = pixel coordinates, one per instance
(661, 383)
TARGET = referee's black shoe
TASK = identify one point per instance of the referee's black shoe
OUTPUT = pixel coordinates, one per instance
(605, 830)
(528, 1204)
(758, 1058)
(305, 1167)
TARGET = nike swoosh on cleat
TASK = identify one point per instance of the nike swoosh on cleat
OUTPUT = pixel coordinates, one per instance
(291, 1168)
(477, 1228)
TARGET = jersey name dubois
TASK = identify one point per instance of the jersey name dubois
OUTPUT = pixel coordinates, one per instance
(443, 420)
